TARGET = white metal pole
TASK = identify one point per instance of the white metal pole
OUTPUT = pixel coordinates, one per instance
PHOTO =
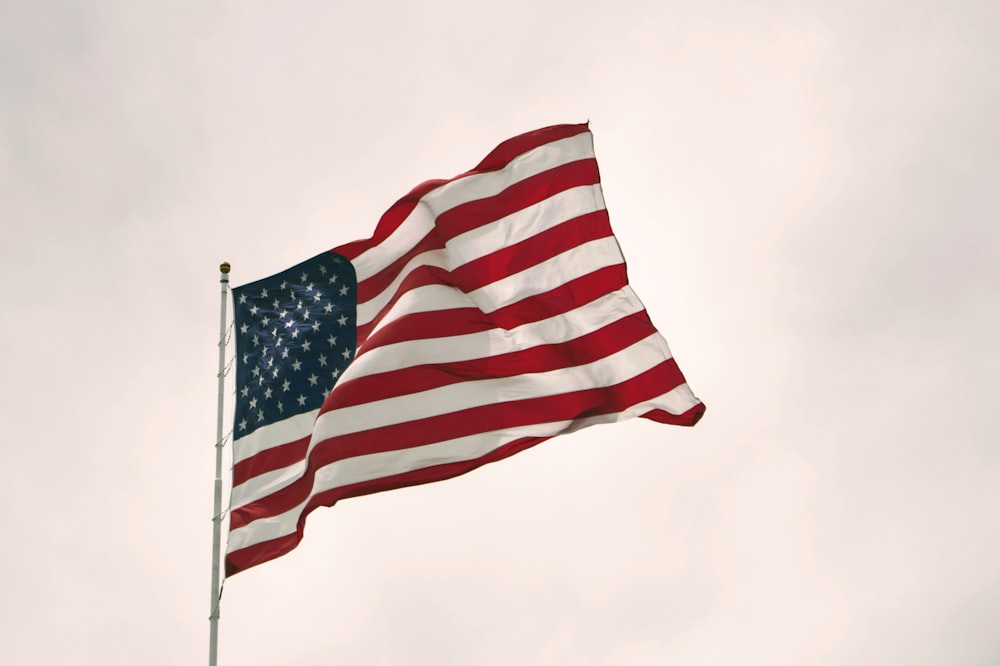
(213, 618)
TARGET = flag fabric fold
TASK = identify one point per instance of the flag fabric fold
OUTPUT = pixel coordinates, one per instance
(487, 313)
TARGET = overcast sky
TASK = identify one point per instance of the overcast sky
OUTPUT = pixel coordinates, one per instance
(806, 194)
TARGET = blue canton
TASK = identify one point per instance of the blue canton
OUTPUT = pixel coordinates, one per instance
(295, 335)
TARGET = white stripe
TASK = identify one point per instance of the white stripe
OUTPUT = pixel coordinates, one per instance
(613, 369)
(608, 371)
(265, 484)
(675, 401)
(379, 465)
(523, 224)
(370, 308)
(469, 188)
(561, 328)
(274, 434)
(549, 274)
(423, 299)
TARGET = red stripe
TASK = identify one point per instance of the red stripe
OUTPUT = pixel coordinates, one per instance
(543, 358)
(390, 220)
(563, 298)
(502, 155)
(688, 418)
(513, 259)
(427, 325)
(457, 321)
(483, 419)
(421, 276)
(269, 460)
(460, 321)
(372, 286)
(520, 195)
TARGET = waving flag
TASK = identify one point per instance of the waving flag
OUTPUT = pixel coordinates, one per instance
(488, 313)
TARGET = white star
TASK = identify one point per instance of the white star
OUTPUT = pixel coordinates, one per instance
(347, 353)
(315, 327)
(335, 373)
(245, 392)
(267, 393)
(298, 306)
(285, 385)
(244, 328)
(296, 365)
(333, 278)
(304, 277)
(310, 286)
(246, 358)
(253, 310)
(260, 415)
(328, 308)
(305, 315)
(306, 345)
(265, 321)
(318, 296)
(343, 290)
(284, 284)
(275, 303)
(313, 379)
(302, 400)
(342, 320)
(274, 373)
(282, 314)
(332, 340)
(243, 424)
(284, 353)
(277, 343)
(253, 403)
(256, 341)
(322, 360)
(289, 323)
(255, 372)
(295, 333)
(243, 299)
(263, 293)
(322, 270)
(281, 408)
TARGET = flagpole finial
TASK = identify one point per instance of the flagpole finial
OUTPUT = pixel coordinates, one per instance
(224, 267)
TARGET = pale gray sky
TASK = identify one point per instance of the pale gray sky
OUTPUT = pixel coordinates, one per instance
(805, 192)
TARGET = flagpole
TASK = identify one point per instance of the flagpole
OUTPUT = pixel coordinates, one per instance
(213, 618)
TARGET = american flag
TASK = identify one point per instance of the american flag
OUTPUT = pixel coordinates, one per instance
(488, 312)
